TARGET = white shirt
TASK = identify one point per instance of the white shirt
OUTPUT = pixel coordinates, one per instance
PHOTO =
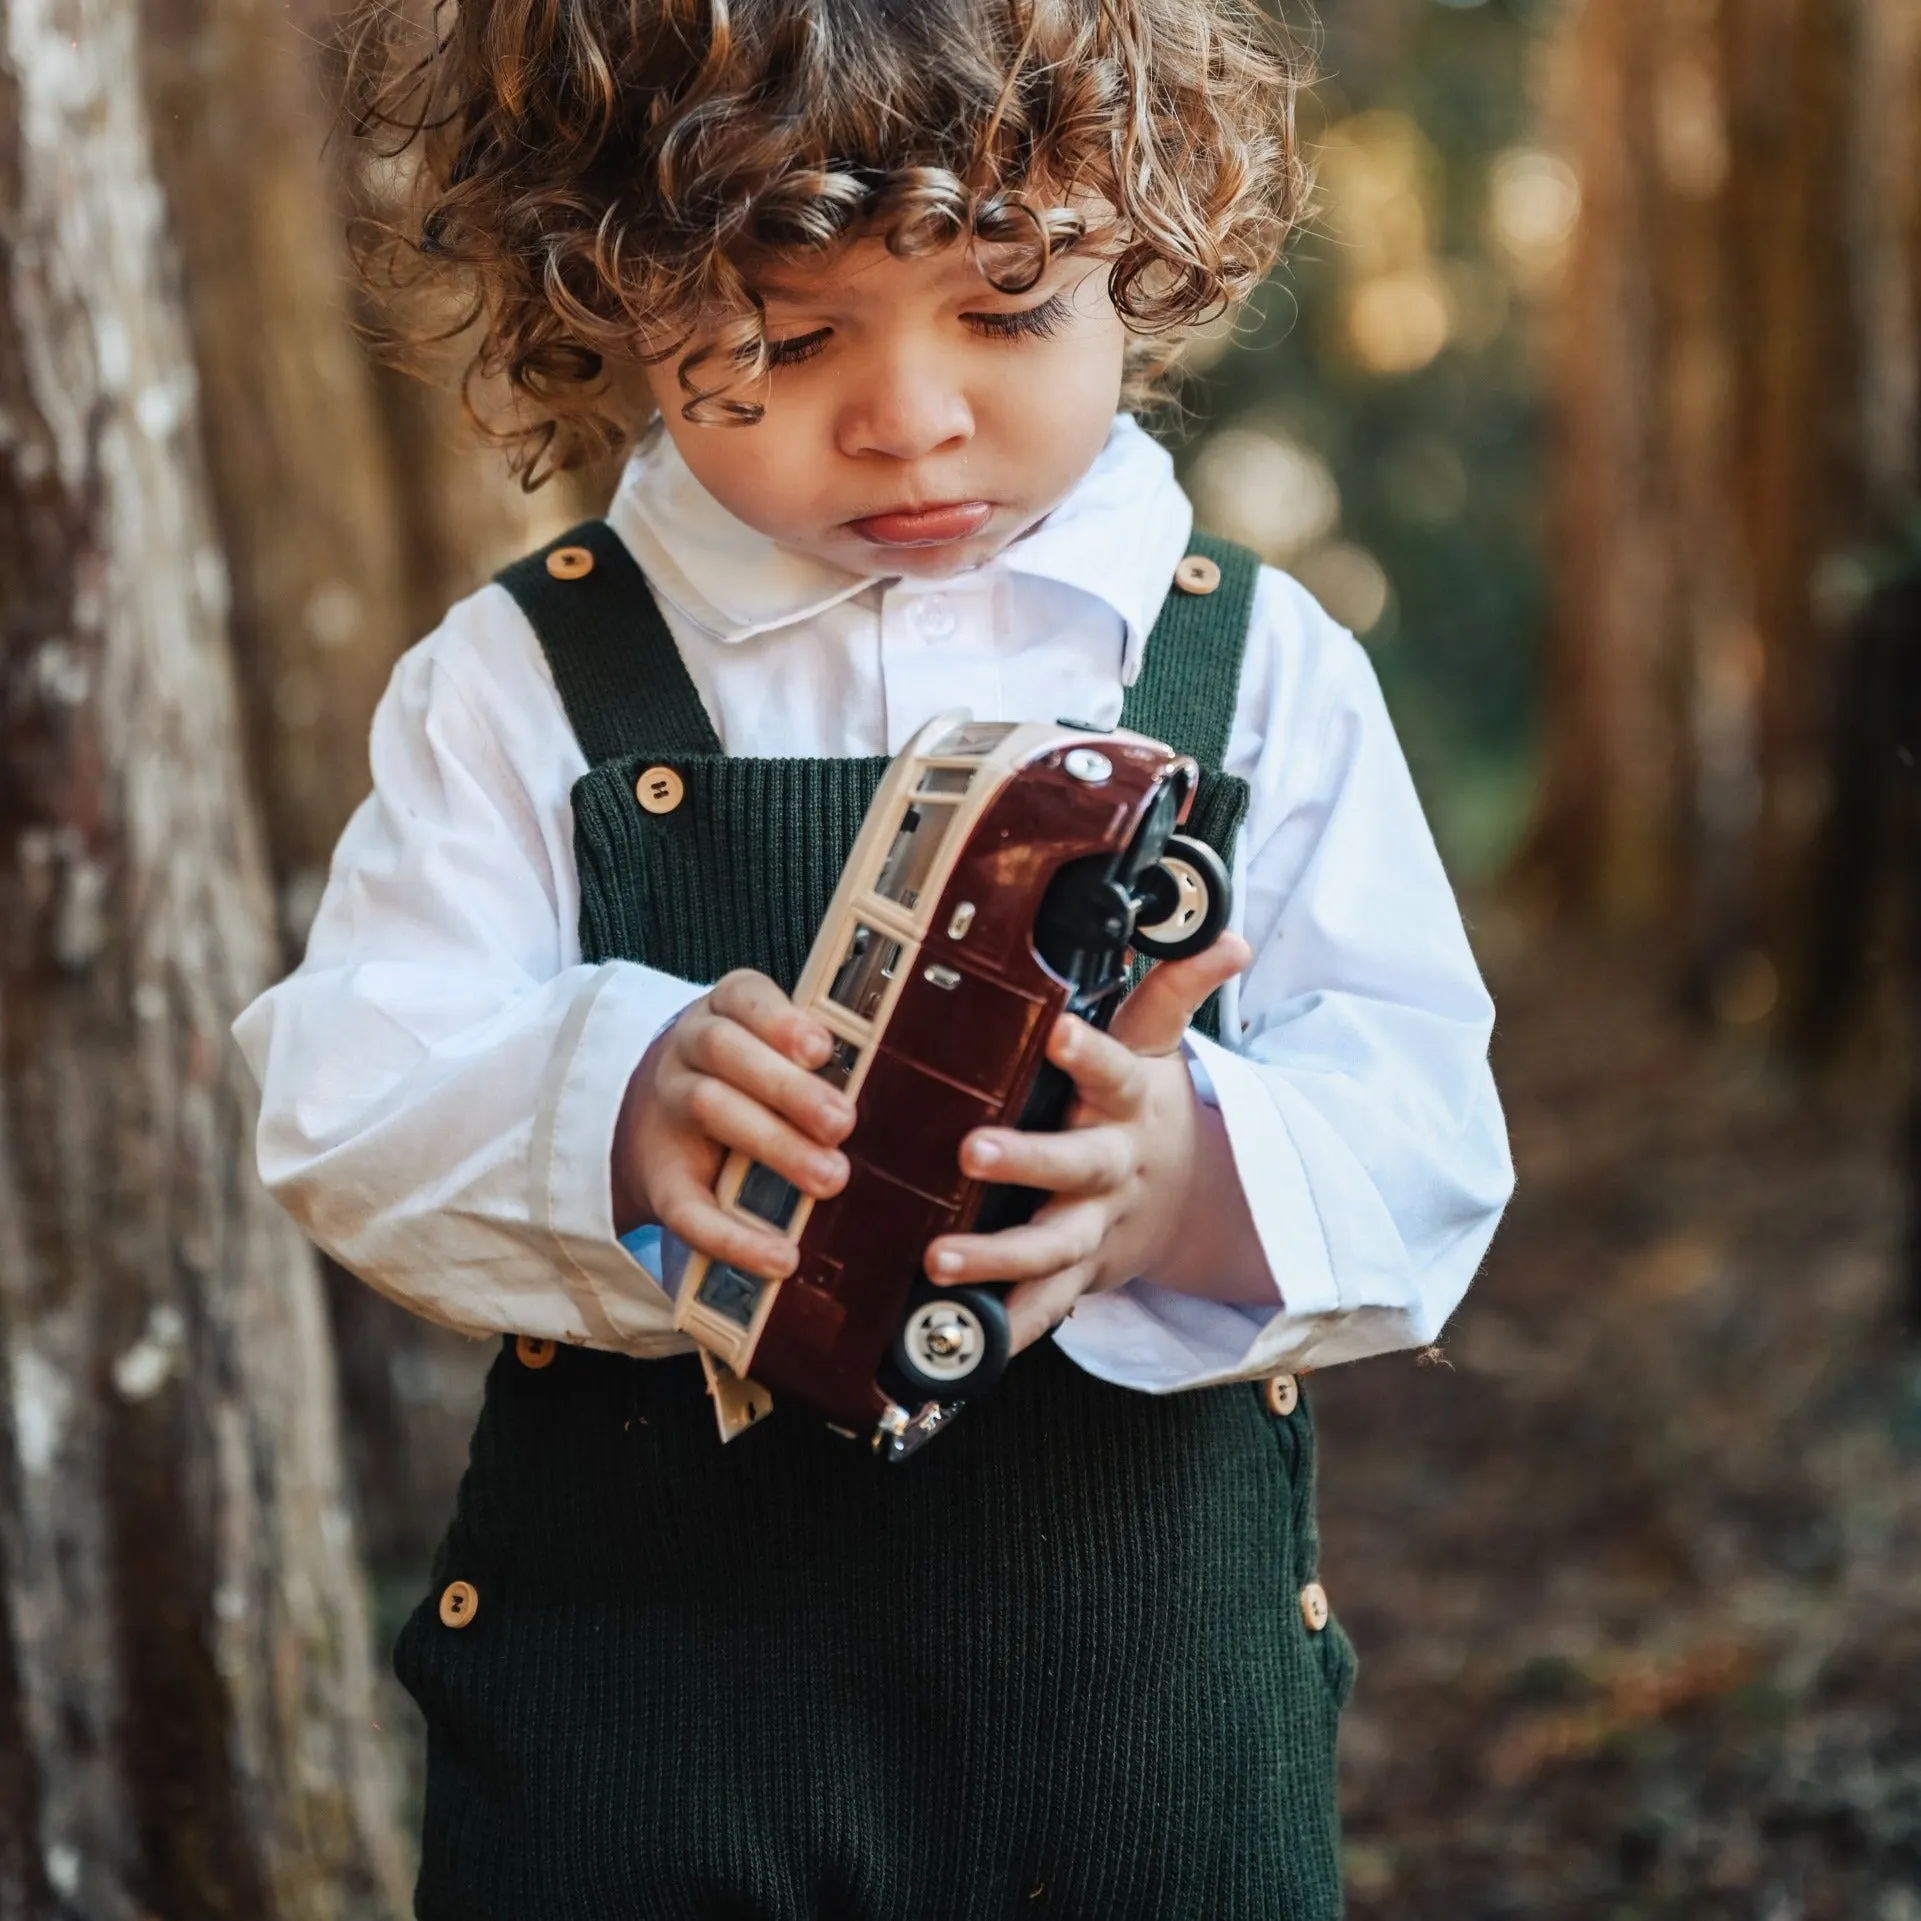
(441, 1075)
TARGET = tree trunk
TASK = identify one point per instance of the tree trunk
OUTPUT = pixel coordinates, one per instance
(1735, 382)
(184, 1685)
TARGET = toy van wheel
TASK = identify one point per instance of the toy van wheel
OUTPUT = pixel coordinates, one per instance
(952, 1344)
(1186, 898)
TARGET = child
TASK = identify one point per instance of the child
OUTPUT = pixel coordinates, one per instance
(870, 281)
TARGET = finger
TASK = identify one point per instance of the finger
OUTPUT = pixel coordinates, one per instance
(1055, 1238)
(1108, 1077)
(1155, 1015)
(760, 1007)
(734, 1119)
(1038, 1307)
(692, 1215)
(1082, 1161)
(730, 1052)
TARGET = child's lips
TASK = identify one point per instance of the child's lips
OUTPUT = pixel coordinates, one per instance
(925, 526)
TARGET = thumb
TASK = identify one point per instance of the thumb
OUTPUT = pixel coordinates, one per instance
(1155, 1015)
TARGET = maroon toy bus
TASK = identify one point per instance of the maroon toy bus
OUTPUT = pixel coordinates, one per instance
(1001, 877)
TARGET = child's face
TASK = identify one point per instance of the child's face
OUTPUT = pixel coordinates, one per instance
(917, 420)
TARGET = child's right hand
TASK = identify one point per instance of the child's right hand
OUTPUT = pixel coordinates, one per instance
(736, 1070)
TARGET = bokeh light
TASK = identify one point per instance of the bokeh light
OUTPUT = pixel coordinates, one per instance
(1534, 207)
(1263, 488)
(1349, 582)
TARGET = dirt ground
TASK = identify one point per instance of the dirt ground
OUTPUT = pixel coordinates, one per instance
(1635, 1570)
(1635, 1567)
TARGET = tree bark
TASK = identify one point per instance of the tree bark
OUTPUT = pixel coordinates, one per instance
(352, 504)
(1735, 391)
(302, 490)
(1608, 786)
(184, 1684)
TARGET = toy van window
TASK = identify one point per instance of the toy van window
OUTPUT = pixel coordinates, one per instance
(972, 737)
(767, 1197)
(840, 1064)
(945, 782)
(860, 985)
(730, 1293)
(914, 855)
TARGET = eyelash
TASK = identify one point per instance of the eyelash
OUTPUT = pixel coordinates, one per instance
(790, 353)
(1033, 323)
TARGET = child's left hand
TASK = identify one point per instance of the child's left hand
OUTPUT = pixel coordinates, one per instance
(1142, 1177)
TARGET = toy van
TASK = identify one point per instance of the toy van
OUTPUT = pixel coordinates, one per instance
(1002, 875)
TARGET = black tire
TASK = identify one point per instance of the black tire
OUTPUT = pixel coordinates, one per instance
(1193, 893)
(976, 1314)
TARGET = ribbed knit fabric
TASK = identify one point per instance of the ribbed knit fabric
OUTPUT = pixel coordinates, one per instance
(1055, 1664)
(1190, 678)
(620, 676)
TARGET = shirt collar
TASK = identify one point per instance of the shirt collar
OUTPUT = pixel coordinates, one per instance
(1116, 536)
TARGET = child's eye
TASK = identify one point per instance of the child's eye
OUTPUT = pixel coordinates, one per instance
(1032, 323)
(790, 353)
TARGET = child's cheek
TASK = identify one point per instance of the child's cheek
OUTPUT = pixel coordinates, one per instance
(1052, 415)
(764, 475)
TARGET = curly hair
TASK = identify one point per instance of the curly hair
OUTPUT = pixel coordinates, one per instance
(598, 180)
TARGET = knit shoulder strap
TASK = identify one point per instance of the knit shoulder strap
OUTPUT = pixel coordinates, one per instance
(1191, 675)
(621, 678)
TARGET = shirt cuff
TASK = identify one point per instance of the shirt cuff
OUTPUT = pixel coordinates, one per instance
(608, 1029)
(1161, 1342)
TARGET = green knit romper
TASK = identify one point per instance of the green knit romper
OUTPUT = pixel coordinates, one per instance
(1056, 1664)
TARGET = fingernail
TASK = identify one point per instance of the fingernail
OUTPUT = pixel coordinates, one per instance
(948, 1263)
(815, 1047)
(986, 1154)
(830, 1170)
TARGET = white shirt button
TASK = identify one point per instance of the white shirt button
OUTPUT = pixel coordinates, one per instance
(934, 618)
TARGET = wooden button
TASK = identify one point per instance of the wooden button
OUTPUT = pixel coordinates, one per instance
(571, 563)
(532, 1353)
(1197, 575)
(1314, 1606)
(660, 790)
(459, 1603)
(1283, 1394)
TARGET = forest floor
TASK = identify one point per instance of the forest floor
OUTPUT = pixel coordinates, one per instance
(1635, 1568)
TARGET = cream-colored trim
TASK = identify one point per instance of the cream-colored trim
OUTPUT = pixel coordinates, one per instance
(738, 1404)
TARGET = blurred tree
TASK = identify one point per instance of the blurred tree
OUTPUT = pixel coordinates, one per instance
(1737, 359)
(185, 1699)
(296, 454)
(352, 506)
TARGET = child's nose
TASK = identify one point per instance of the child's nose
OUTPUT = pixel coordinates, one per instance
(906, 411)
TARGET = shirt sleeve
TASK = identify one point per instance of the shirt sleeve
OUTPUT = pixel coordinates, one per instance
(1354, 1085)
(441, 1076)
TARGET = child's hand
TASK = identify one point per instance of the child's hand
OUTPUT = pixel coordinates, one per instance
(735, 1070)
(1139, 1169)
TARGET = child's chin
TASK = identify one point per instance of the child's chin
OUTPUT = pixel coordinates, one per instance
(936, 563)
(917, 563)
